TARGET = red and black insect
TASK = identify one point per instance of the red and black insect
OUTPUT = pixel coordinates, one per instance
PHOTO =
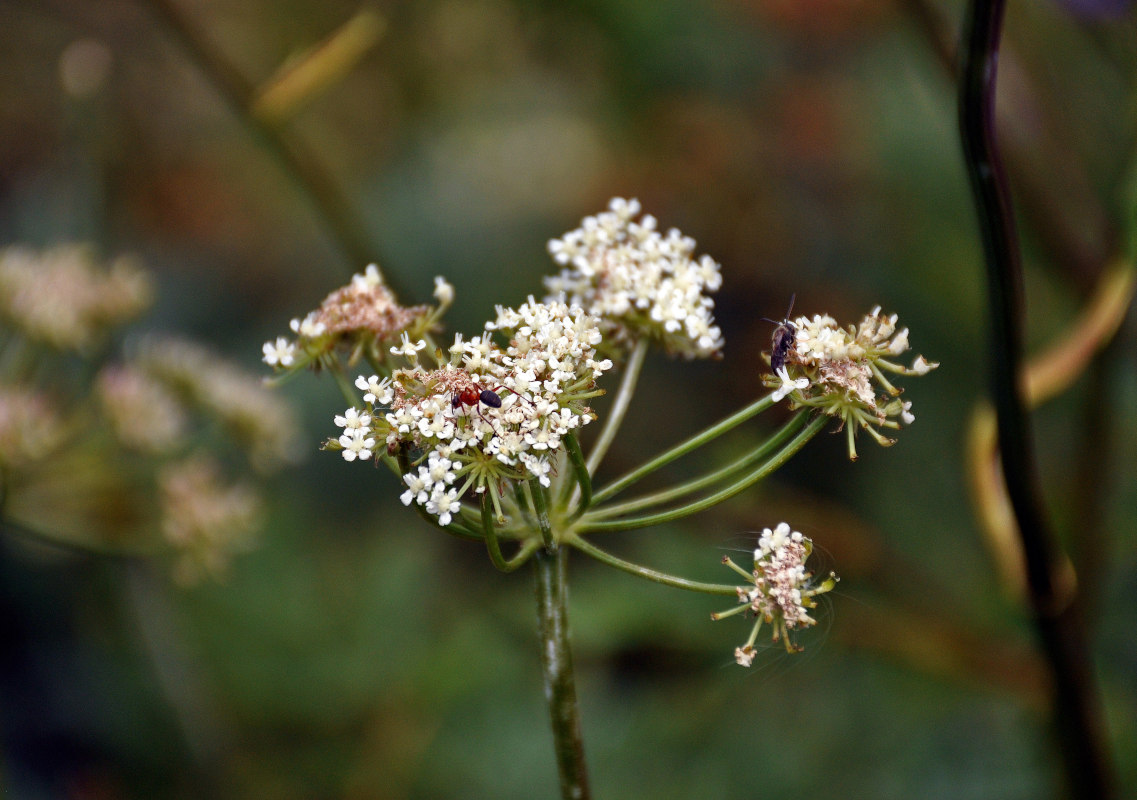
(474, 394)
(785, 335)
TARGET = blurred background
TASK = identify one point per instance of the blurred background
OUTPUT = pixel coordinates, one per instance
(810, 147)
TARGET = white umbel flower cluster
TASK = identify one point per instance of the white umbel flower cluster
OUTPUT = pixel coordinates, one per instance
(639, 282)
(361, 318)
(781, 591)
(491, 414)
(841, 371)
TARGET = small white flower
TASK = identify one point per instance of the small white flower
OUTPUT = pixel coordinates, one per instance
(408, 348)
(356, 445)
(788, 384)
(443, 291)
(443, 503)
(439, 469)
(310, 327)
(899, 343)
(906, 412)
(378, 392)
(418, 485)
(921, 366)
(282, 352)
(352, 420)
(370, 279)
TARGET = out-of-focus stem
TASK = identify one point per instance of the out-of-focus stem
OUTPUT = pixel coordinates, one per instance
(334, 210)
(1061, 631)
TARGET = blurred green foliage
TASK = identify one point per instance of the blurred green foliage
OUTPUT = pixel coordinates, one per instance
(810, 147)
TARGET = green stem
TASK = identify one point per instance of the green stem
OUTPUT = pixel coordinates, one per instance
(494, 547)
(580, 469)
(619, 406)
(126, 552)
(557, 671)
(681, 449)
(347, 389)
(651, 574)
(667, 495)
(588, 524)
(541, 508)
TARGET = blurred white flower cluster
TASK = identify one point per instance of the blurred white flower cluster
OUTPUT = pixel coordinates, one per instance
(255, 417)
(638, 282)
(206, 517)
(118, 453)
(61, 297)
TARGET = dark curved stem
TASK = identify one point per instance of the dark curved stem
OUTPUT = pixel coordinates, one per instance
(557, 669)
(1056, 616)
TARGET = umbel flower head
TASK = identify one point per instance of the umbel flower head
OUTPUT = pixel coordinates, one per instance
(486, 415)
(362, 317)
(63, 298)
(780, 591)
(838, 370)
(264, 425)
(205, 518)
(638, 282)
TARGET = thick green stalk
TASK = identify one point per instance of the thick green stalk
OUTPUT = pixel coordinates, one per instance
(557, 670)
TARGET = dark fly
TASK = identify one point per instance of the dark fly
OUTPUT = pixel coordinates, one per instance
(785, 335)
